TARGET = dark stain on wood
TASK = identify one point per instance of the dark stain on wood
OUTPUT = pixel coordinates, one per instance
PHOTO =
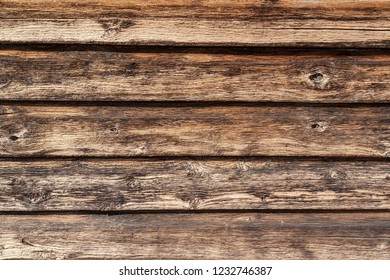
(5, 81)
(114, 26)
(27, 191)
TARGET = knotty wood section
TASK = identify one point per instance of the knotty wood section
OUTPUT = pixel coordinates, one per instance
(341, 23)
(94, 185)
(119, 76)
(197, 236)
(184, 130)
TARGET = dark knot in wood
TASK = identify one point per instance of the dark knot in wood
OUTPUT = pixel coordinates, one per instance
(5, 81)
(316, 77)
(13, 138)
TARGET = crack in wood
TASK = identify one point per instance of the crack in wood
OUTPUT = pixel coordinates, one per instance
(26, 242)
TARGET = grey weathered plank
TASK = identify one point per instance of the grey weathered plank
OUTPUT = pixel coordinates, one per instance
(184, 130)
(190, 76)
(196, 236)
(65, 185)
(342, 23)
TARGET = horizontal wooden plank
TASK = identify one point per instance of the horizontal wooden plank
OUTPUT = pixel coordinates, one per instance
(196, 236)
(221, 9)
(95, 185)
(341, 23)
(121, 76)
(182, 130)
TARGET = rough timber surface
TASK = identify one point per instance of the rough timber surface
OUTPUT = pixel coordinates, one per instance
(211, 184)
(212, 129)
(305, 76)
(285, 23)
(187, 130)
(197, 236)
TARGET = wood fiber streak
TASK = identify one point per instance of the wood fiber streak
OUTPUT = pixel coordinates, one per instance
(196, 236)
(194, 131)
(332, 23)
(118, 76)
(192, 184)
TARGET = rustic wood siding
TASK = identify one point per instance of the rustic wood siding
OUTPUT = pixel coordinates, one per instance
(216, 74)
(197, 236)
(140, 184)
(330, 23)
(205, 129)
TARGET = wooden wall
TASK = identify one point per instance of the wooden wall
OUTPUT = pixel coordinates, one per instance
(195, 129)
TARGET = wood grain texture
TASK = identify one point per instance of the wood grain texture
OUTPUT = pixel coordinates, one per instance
(197, 236)
(181, 130)
(88, 171)
(120, 76)
(108, 185)
(333, 23)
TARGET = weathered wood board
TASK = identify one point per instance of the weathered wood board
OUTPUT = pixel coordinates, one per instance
(197, 236)
(119, 185)
(184, 130)
(321, 76)
(253, 129)
(284, 23)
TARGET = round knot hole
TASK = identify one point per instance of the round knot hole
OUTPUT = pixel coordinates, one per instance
(315, 125)
(319, 126)
(316, 77)
(14, 138)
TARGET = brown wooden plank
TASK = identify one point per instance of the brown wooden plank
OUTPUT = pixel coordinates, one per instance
(101, 75)
(92, 185)
(178, 130)
(197, 236)
(340, 23)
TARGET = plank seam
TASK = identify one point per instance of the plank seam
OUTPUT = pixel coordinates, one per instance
(201, 211)
(180, 104)
(196, 158)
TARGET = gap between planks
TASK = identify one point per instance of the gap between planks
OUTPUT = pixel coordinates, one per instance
(109, 213)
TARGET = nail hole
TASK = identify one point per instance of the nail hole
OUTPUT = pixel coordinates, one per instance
(316, 77)
(13, 138)
(114, 129)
